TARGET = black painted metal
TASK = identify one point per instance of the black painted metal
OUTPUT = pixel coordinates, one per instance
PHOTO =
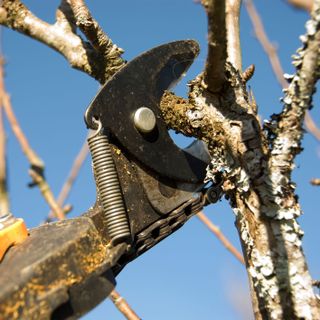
(141, 83)
(64, 269)
(54, 274)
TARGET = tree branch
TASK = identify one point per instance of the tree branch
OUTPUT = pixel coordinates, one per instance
(223, 41)
(214, 75)
(219, 111)
(61, 37)
(315, 182)
(216, 231)
(123, 306)
(302, 4)
(36, 164)
(311, 126)
(259, 192)
(266, 44)
(271, 52)
(298, 98)
(233, 33)
(98, 39)
(4, 197)
(75, 168)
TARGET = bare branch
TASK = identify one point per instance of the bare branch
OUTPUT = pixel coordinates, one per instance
(298, 97)
(174, 111)
(315, 182)
(47, 193)
(233, 33)
(75, 168)
(98, 39)
(302, 4)
(271, 52)
(62, 37)
(123, 306)
(267, 46)
(214, 75)
(31, 155)
(217, 232)
(311, 126)
(248, 73)
(37, 166)
(261, 195)
(65, 18)
(4, 197)
(223, 41)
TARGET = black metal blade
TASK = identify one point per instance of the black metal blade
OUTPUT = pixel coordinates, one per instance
(141, 83)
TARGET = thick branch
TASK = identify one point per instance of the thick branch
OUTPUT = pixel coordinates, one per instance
(223, 41)
(214, 75)
(298, 98)
(97, 37)
(271, 52)
(233, 33)
(261, 196)
(61, 37)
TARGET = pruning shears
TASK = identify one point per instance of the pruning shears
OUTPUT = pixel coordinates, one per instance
(147, 188)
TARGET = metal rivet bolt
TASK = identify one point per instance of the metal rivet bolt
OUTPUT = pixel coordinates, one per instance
(144, 120)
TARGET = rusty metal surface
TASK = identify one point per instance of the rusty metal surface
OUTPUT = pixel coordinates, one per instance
(65, 268)
(61, 271)
(141, 83)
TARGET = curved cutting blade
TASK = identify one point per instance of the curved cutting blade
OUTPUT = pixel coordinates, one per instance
(141, 83)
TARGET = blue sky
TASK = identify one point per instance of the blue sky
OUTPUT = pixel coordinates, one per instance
(189, 275)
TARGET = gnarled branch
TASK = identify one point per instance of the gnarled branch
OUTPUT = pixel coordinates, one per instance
(62, 37)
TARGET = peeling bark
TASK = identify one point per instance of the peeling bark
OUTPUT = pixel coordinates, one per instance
(256, 169)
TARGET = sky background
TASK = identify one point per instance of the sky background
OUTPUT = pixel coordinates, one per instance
(189, 275)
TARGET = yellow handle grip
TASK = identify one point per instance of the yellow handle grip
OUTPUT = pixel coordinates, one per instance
(12, 234)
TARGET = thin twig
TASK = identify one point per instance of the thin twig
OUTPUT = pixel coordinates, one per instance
(36, 164)
(316, 283)
(123, 306)
(31, 155)
(76, 166)
(266, 44)
(47, 193)
(4, 198)
(315, 182)
(217, 232)
(302, 4)
(311, 126)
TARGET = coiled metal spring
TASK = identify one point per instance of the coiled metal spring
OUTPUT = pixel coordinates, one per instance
(109, 189)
